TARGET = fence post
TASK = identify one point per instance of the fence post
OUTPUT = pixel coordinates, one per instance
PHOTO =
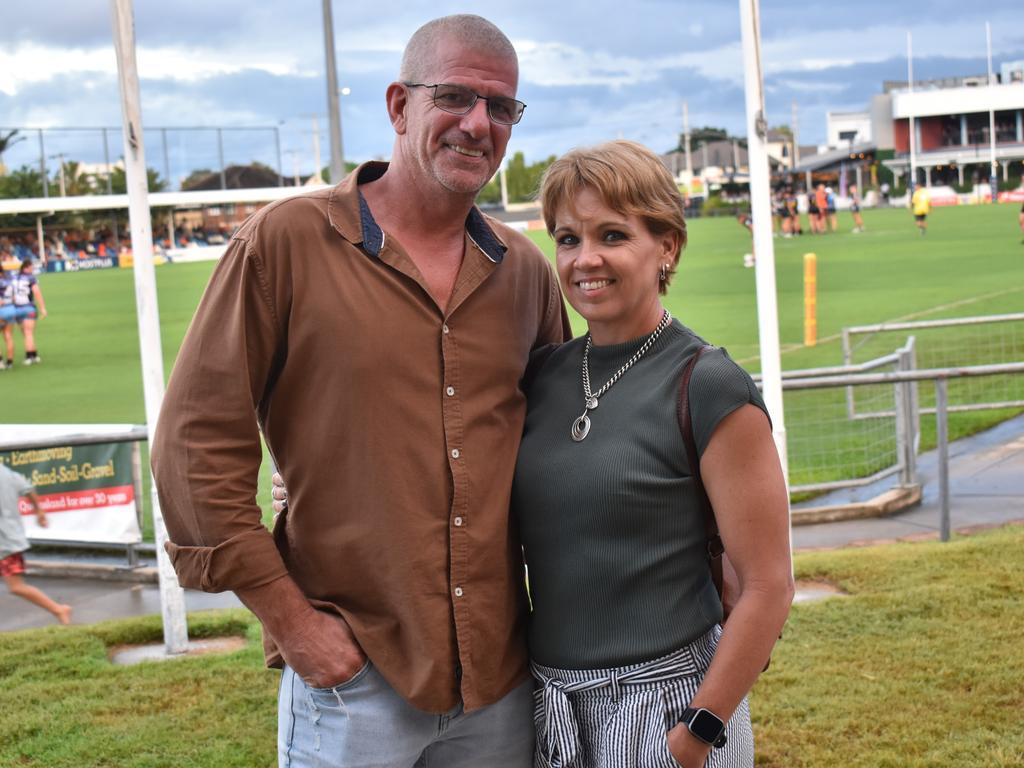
(133, 554)
(915, 400)
(900, 419)
(848, 360)
(942, 436)
(909, 413)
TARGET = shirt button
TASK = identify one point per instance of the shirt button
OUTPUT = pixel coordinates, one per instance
(458, 522)
(455, 453)
(458, 591)
(450, 391)
(445, 327)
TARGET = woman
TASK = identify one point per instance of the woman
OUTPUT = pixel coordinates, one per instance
(624, 630)
(614, 535)
(28, 304)
(7, 318)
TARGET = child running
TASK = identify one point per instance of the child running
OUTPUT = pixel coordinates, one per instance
(13, 542)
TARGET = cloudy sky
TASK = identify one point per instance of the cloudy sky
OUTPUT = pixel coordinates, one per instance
(590, 69)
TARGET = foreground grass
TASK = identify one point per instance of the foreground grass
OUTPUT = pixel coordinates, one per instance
(919, 666)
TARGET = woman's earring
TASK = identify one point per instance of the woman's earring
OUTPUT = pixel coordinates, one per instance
(664, 273)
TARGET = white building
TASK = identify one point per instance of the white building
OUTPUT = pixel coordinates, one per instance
(844, 129)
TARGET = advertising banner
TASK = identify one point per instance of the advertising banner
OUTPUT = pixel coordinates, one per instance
(87, 491)
(79, 265)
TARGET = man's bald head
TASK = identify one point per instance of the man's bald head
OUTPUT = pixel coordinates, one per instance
(474, 32)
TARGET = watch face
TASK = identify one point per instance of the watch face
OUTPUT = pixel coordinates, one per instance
(706, 726)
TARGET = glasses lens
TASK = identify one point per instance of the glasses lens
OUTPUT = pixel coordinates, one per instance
(454, 98)
(502, 110)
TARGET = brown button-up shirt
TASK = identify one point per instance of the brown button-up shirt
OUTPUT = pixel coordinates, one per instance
(394, 423)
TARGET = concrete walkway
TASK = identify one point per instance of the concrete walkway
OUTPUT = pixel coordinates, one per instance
(986, 486)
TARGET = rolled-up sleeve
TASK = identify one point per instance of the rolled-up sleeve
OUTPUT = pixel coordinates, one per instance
(206, 449)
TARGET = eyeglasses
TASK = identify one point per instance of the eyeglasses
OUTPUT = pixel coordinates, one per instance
(459, 100)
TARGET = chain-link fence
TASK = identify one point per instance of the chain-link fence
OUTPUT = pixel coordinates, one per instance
(829, 449)
(956, 342)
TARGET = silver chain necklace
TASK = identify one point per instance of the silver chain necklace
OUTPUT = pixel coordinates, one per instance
(581, 426)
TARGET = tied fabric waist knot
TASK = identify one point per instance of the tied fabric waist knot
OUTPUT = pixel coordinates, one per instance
(558, 737)
(561, 738)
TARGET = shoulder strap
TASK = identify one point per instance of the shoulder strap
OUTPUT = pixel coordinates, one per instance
(715, 548)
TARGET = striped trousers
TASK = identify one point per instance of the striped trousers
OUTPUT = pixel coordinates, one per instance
(620, 717)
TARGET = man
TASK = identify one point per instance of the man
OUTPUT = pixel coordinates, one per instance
(921, 203)
(821, 203)
(378, 331)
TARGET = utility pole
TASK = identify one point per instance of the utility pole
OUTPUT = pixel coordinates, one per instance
(42, 165)
(796, 136)
(63, 184)
(333, 110)
(686, 139)
(294, 154)
(172, 597)
(993, 182)
(910, 115)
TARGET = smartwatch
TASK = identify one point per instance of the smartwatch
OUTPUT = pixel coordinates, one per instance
(705, 725)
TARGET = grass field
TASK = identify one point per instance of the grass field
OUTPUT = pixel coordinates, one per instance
(918, 667)
(971, 262)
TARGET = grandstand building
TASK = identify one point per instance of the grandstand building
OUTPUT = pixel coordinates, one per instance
(951, 132)
(951, 128)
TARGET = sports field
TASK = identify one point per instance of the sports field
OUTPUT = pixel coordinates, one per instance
(971, 262)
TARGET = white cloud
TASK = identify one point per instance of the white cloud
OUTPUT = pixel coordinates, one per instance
(34, 63)
(561, 64)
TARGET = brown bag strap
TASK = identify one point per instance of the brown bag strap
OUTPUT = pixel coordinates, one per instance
(715, 548)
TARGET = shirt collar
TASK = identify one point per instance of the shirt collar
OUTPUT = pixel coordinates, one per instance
(351, 217)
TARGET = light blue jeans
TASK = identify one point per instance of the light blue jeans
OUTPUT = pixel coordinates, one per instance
(364, 723)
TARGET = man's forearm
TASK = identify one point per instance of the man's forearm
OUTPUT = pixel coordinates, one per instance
(318, 645)
(279, 605)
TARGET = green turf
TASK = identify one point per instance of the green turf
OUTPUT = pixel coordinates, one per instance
(971, 262)
(919, 666)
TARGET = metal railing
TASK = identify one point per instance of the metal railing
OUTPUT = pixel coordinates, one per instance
(917, 349)
(903, 412)
(941, 378)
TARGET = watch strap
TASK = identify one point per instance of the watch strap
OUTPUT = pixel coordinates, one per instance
(703, 732)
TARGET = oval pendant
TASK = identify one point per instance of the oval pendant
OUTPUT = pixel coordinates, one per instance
(580, 428)
(591, 403)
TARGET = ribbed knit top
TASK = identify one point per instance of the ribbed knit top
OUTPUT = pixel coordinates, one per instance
(614, 538)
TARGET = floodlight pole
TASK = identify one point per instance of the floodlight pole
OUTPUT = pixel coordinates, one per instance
(172, 597)
(992, 181)
(333, 106)
(760, 205)
(910, 116)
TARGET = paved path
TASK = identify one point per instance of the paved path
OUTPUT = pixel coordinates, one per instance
(986, 484)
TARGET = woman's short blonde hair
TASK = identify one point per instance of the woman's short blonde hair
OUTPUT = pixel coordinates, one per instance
(628, 177)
